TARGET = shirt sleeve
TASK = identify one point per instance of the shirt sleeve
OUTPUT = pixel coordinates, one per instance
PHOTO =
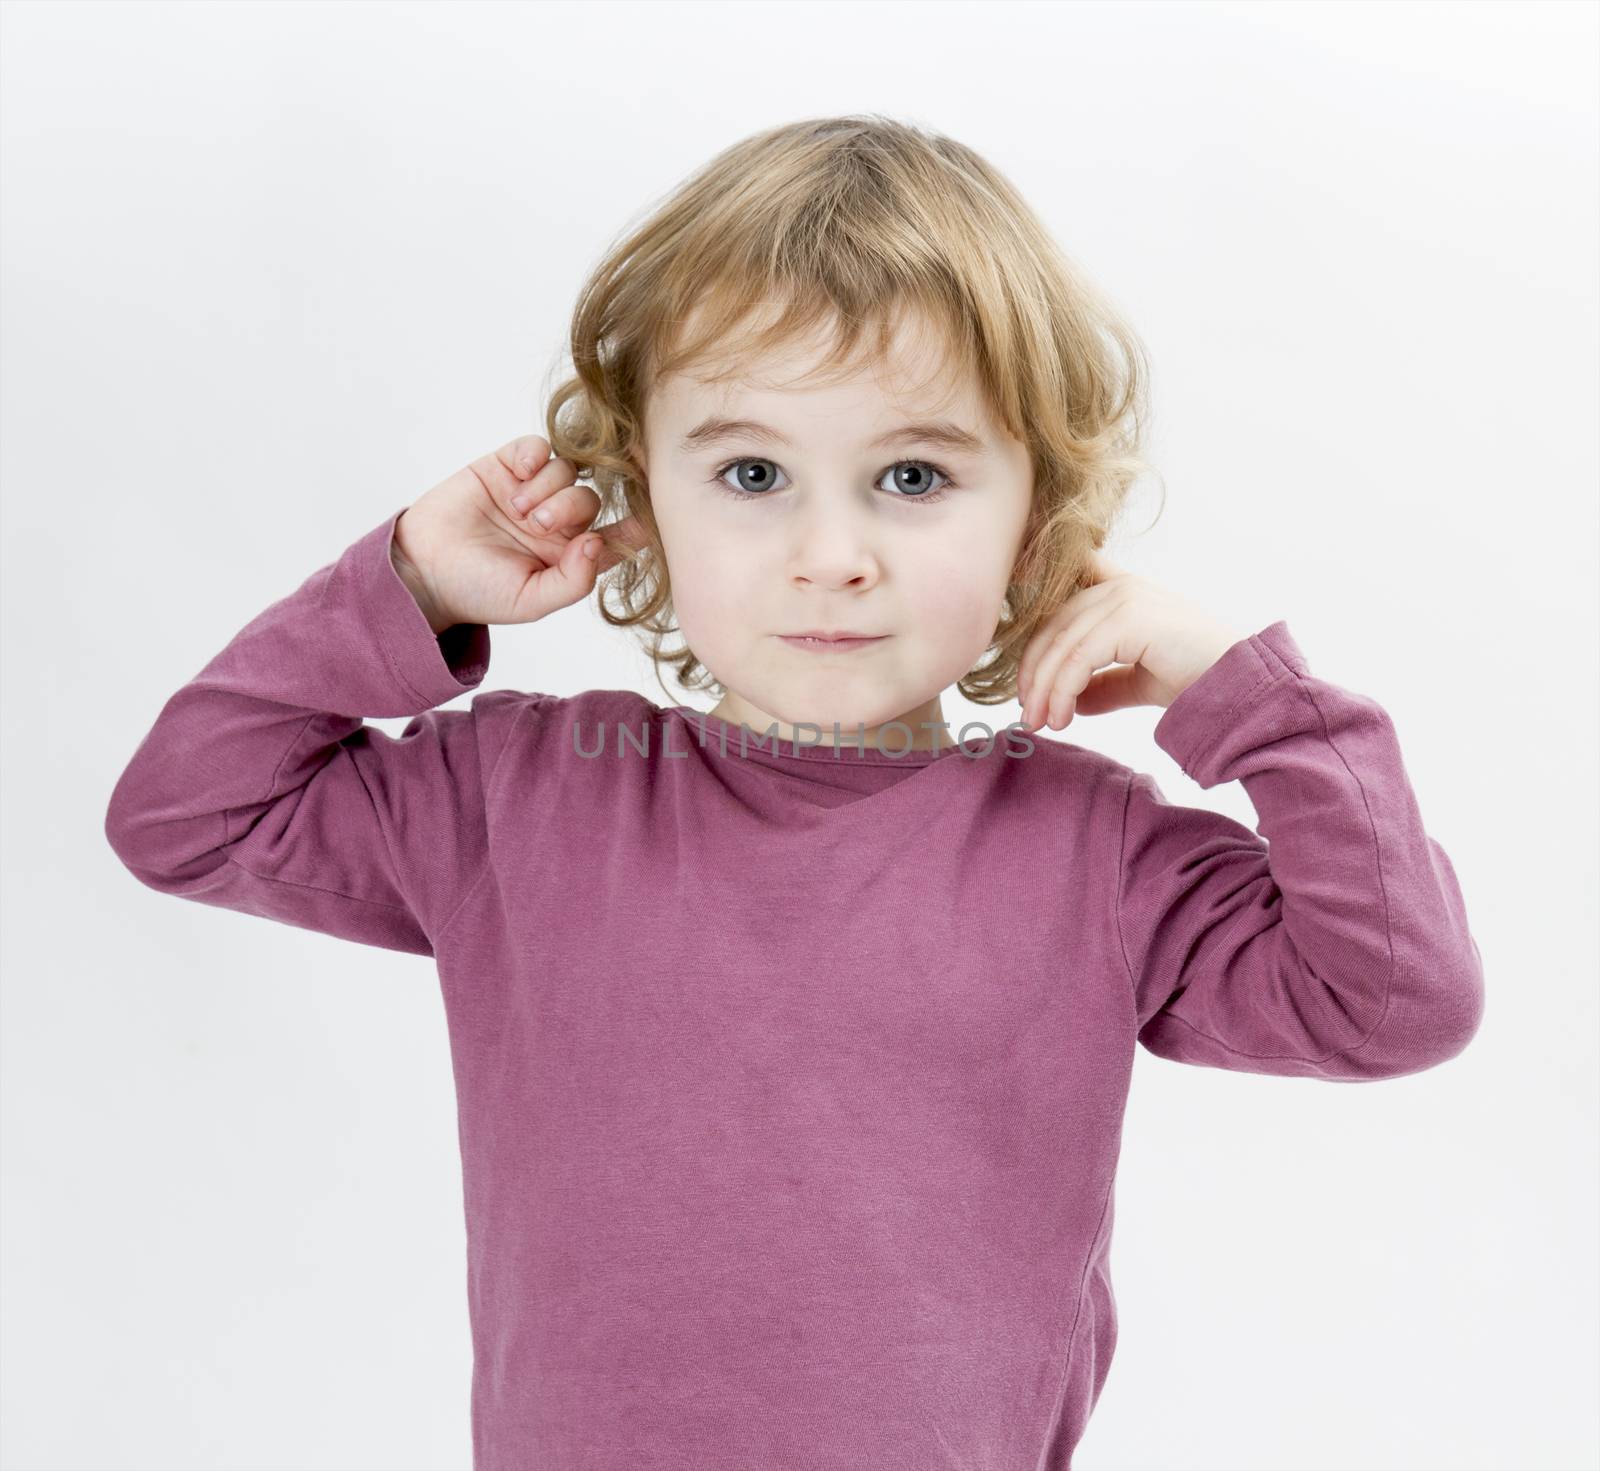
(1334, 944)
(260, 789)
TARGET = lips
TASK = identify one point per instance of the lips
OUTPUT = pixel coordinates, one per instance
(828, 643)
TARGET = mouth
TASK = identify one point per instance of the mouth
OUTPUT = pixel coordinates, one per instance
(830, 643)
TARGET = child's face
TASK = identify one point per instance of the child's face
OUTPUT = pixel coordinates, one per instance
(830, 536)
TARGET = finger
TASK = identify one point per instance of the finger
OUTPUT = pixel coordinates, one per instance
(525, 456)
(1066, 666)
(1044, 638)
(565, 511)
(1117, 688)
(621, 538)
(566, 581)
(1117, 645)
(534, 507)
(504, 473)
(1094, 650)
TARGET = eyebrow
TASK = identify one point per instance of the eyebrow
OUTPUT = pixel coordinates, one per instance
(939, 432)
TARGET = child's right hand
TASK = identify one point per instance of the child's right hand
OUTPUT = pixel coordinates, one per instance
(469, 555)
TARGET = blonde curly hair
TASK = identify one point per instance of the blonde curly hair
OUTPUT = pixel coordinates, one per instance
(839, 222)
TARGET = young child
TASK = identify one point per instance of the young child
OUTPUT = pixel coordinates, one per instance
(792, 1040)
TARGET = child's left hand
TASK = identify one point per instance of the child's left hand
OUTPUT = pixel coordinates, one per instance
(1160, 643)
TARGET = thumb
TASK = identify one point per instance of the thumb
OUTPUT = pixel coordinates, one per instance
(568, 580)
(1115, 689)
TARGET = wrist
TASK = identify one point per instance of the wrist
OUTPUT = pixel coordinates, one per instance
(438, 619)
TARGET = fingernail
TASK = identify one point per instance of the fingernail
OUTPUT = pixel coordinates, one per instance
(544, 516)
(591, 549)
(520, 504)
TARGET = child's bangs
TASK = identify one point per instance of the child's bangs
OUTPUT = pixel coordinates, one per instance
(733, 330)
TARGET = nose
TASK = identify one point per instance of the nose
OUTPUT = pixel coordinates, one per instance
(831, 547)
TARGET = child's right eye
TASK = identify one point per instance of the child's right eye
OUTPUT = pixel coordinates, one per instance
(736, 492)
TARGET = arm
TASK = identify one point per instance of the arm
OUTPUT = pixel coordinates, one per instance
(1345, 953)
(259, 788)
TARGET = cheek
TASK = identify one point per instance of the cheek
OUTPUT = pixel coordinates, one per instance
(956, 597)
(711, 577)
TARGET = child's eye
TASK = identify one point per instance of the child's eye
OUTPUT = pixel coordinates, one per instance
(916, 491)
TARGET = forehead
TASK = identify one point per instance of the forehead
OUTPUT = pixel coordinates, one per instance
(794, 386)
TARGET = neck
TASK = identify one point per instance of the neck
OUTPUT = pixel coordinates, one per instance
(924, 723)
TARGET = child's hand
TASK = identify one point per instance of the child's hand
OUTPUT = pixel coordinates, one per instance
(1164, 643)
(471, 550)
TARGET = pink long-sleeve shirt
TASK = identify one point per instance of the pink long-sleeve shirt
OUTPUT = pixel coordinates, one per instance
(791, 1077)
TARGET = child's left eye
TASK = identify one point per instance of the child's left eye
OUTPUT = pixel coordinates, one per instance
(924, 497)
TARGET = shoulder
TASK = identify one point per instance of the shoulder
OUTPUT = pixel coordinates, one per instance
(1087, 789)
(535, 718)
(1057, 761)
(492, 704)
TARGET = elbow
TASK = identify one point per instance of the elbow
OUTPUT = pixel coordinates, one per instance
(127, 830)
(121, 829)
(164, 850)
(129, 841)
(1454, 1026)
(1457, 1006)
(1425, 1025)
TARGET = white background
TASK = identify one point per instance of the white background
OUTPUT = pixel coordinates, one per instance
(272, 271)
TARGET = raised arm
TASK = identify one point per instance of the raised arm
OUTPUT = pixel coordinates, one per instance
(1334, 944)
(260, 789)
